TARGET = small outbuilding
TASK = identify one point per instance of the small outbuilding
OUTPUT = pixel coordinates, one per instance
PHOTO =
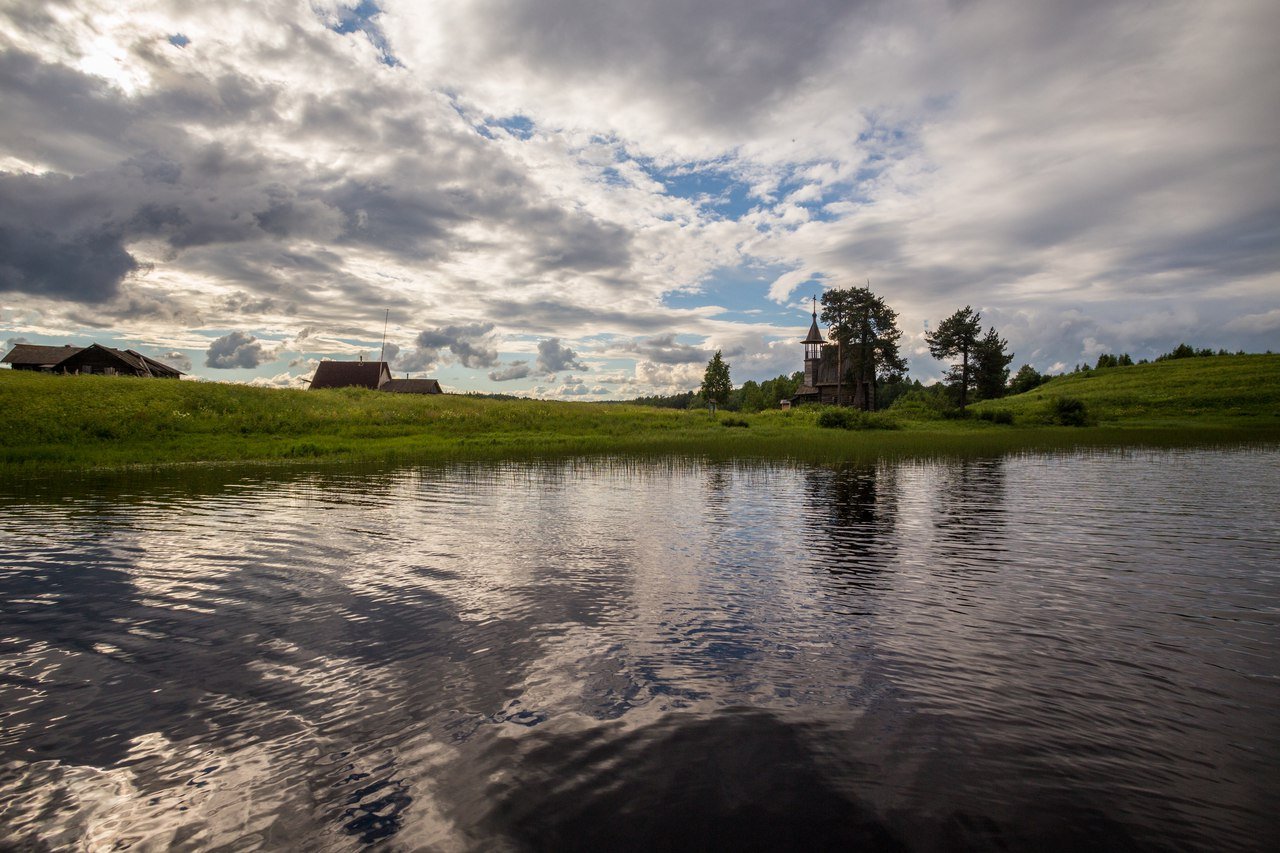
(351, 374)
(412, 386)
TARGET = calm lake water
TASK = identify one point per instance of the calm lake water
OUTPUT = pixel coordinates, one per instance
(1036, 652)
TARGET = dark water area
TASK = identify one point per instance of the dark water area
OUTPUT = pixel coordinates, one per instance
(1057, 652)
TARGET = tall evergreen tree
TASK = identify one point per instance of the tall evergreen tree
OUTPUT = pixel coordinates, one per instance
(866, 330)
(991, 366)
(716, 385)
(957, 336)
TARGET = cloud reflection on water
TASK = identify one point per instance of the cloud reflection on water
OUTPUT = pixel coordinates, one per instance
(475, 656)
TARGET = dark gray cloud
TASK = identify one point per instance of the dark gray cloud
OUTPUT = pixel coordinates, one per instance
(236, 350)
(574, 243)
(58, 238)
(720, 62)
(240, 302)
(553, 358)
(1242, 247)
(664, 349)
(514, 370)
(468, 344)
(86, 267)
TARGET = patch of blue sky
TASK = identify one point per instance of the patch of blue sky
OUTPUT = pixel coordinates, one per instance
(711, 187)
(359, 19)
(614, 177)
(521, 127)
(179, 40)
(743, 295)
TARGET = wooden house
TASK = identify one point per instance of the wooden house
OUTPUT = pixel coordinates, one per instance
(107, 361)
(94, 358)
(351, 374)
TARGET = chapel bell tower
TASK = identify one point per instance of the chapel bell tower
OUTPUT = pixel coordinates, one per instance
(813, 349)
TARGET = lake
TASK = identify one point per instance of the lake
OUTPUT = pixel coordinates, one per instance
(1048, 652)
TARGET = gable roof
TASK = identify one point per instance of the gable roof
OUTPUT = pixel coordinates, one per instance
(346, 374)
(412, 386)
(133, 362)
(39, 356)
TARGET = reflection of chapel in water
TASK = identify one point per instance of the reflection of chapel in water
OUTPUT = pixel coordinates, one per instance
(828, 372)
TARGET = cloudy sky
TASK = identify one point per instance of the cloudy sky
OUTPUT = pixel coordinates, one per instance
(584, 198)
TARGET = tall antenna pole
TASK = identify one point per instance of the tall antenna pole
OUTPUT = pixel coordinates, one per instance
(382, 355)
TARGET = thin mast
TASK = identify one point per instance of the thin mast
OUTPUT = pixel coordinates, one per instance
(383, 353)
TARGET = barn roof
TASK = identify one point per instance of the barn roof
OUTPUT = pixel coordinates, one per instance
(412, 386)
(133, 361)
(345, 374)
(39, 356)
(153, 365)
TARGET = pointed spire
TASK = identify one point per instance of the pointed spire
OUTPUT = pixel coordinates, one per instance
(815, 334)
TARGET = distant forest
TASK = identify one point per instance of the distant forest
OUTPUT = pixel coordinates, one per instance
(754, 396)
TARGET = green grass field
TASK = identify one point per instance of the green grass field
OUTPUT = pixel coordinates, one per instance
(1231, 390)
(82, 422)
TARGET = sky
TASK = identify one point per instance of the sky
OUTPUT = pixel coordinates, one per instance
(584, 199)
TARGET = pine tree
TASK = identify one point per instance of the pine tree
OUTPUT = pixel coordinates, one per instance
(716, 385)
(867, 331)
(957, 336)
(991, 366)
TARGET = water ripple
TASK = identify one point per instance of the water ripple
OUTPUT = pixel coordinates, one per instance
(1032, 652)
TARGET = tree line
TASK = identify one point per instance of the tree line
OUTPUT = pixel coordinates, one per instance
(865, 331)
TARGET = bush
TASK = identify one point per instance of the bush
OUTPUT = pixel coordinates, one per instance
(734, 422)
(854, 419)
(921, 404)
(1005, 418)
(1068, 411)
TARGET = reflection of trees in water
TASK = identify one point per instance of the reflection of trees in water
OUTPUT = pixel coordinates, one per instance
(969, 507)
(850, 522)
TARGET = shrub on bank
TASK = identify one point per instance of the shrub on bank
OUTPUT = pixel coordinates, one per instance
(921, 405)
(1068, 411)
(855, 419)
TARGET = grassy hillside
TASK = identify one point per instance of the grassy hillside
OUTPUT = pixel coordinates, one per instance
(58, 422)
(1231, 390)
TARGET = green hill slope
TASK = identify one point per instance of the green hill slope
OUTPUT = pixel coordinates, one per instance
(1229, 389)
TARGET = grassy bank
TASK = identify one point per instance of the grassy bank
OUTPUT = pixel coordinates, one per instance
(1230, 390)
(56, 422)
